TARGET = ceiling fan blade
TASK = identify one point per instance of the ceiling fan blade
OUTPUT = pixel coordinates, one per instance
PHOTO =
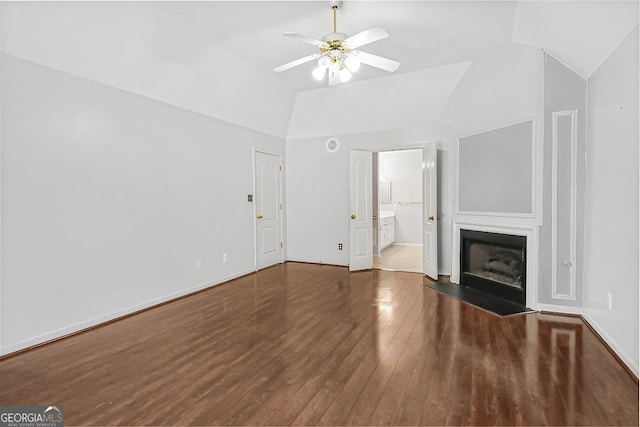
(378, 61)
(305, 39)
(296, 62)
(368, 36)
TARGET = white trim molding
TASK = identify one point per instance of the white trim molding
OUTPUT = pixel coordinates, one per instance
(530, 231)
(96, 321)
(536, 175)
(627, 359)
(561, 309)
(555, 293)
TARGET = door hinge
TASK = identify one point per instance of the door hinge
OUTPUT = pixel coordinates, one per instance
(280, 206)
(280, 168)
(281, 245)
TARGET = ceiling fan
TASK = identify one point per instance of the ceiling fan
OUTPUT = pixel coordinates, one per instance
(338, 53)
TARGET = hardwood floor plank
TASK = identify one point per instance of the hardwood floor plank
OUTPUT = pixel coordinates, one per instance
(411, 406)
(357, 345)
(356, 381)
(394, 394)
(373, 390)
(301, 344)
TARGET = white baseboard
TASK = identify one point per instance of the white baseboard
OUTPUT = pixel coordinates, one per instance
(315, 261)
(612, 343)
(61, 332)
(563, 309)
(407, 244)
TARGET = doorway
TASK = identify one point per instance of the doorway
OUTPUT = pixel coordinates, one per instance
(268, 209)
(365, 224)
(398, 210)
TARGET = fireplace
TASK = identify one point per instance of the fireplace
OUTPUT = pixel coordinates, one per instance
(494, 263)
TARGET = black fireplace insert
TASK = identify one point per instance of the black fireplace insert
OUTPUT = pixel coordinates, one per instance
(494, 263)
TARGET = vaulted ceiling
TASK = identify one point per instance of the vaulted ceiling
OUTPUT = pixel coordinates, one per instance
(423, 34)
(216, 57)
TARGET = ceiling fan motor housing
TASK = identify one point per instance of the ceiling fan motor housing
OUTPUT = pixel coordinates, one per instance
(334, 36)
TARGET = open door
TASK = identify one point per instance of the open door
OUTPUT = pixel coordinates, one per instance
(361, 215)
(430, 213)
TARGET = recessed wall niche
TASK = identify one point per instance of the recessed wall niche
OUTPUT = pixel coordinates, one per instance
(495, 171)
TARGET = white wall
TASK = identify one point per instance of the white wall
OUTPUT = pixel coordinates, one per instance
(564, 90)
(108, 200)
(404, 170)
(140, 48)
(401, 111)
(318, 191)
(502, 87)
(611, 229)
(403, 101)
(579, 33)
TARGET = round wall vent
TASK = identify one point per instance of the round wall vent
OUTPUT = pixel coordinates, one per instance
(333, 145)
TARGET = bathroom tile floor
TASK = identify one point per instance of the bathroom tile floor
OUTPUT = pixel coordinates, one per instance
(400, 258)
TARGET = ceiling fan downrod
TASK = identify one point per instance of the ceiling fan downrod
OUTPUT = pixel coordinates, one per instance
(334, 5)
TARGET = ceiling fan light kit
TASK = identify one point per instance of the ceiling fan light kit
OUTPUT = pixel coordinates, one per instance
(338, 56)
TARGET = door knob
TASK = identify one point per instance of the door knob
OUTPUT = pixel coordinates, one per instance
(259, 217)
(431, 218)
(353, 217)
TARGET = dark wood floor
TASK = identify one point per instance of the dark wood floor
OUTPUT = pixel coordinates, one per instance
(306, 344)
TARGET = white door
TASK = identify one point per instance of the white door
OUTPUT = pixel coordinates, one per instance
(268, 209)
(430, 213)
(361, 214)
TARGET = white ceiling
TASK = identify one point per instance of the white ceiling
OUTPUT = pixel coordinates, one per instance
(423, 34)
(216, 57)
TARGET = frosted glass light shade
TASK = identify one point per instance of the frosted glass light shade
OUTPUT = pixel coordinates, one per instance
(352, 63)
(345, 75)
(319, 72)
(324, 62)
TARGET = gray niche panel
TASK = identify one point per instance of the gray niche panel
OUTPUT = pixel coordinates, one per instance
(495, 171)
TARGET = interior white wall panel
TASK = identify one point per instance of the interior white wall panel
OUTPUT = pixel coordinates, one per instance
(403, 101)
(579, 33)
(611, 227)
(318, 191)
(503, 87)
(142, 49)
(110, 198)
(564, 90)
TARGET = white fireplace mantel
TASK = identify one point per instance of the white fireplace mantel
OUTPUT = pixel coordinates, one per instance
(517, 227)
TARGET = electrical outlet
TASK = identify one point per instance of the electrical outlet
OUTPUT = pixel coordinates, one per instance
(609, 301)
(339, 246)
(199, 263)
(225, 258)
